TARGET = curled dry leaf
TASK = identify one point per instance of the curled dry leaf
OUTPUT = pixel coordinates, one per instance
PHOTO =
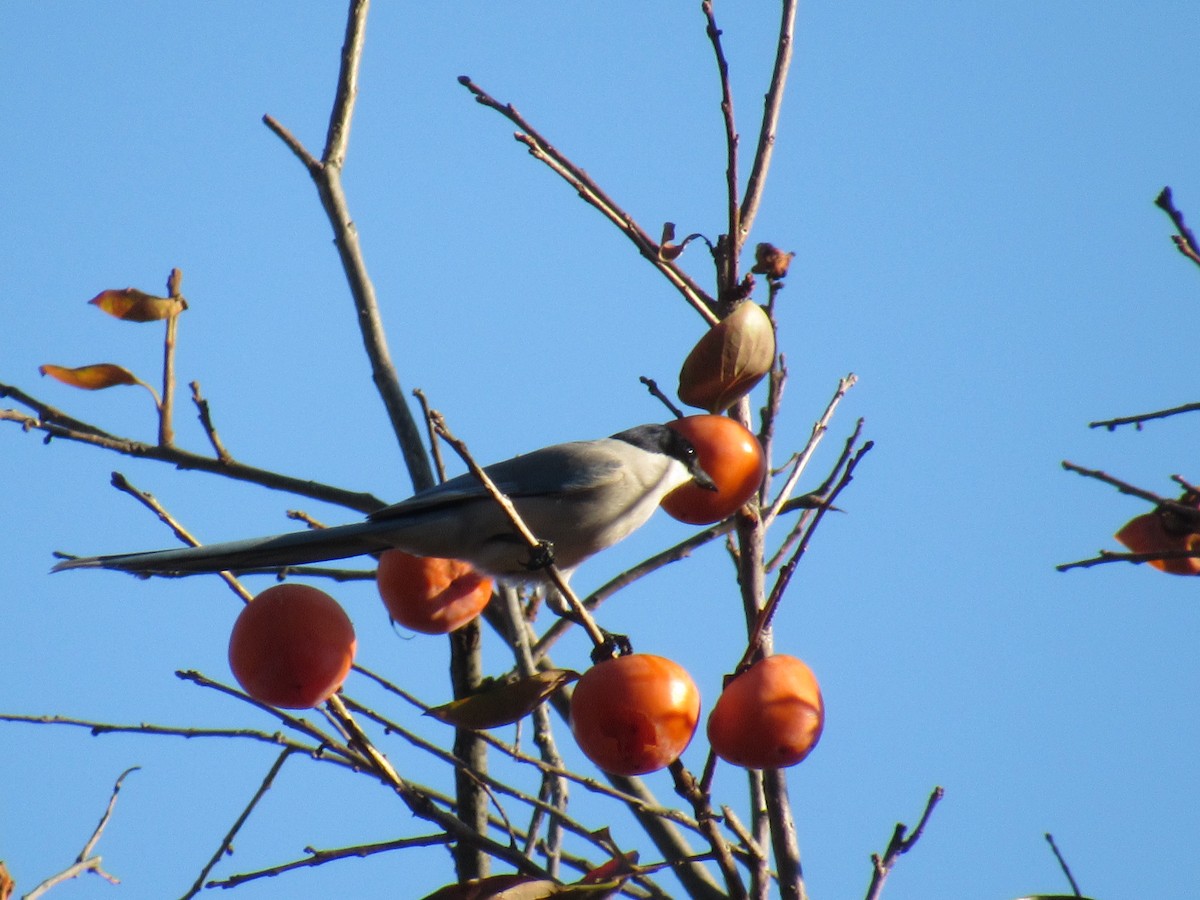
(731, 358)
(769, 260)
(503, 703)
(96, 377)
(133, 305)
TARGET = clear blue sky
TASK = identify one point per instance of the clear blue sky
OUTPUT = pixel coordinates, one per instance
(968, 188)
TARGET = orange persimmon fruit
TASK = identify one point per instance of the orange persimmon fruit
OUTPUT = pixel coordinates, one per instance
(428, 594)
(768, 717)
(634, 714)
(732, 457)
(291, 646)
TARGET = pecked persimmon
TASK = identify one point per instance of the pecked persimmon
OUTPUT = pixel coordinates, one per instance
(291, 646)
(1159, 531)
(768, 717)
(634, 714)
(428, 594)
(732, 457)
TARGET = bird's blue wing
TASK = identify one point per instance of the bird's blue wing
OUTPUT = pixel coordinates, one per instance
(550, 471)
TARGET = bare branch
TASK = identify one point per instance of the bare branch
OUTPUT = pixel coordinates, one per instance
(1137, 420)
(535, 544)
(1063, 864)
(206, 422)
(86, 862)
(772, 105)
(320, 857)
(338, 135)
(327, 176)
(731, 136)
(1185, 241)
(56, 424)
(226, 844)
(899, 845)
(542, 150)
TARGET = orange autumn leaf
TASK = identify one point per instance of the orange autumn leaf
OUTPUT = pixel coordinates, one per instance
(1156, 532)
(133, 305)
(95, 377)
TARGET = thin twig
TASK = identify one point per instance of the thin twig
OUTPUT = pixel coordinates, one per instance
(56, 424)
(688, 788)
(1109, 556)
(672, 554)
(553, 574)
(1123, 486)
(338, 135)
(772, 104)
(166, 409)
(899, 845)
(86, 861)
(731, 135)
(99, 728)
(542, 150)
(226, 844)
(320, 857)
(656, 391)
(820, 427)
(435, 448)
(1138, 420)
(1185, 241)
(768, 610)
(121, 483)
(327, 177)
(206, 422)
(1063, 864)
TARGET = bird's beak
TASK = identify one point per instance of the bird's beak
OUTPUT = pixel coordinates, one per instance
(703, 480)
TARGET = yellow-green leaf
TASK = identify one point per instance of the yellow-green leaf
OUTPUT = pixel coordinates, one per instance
(133, 305)
(91, 378)
(504, 703)
(729, 360)
(482, 888)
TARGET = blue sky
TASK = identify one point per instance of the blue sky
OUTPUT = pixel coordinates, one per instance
(968, 189)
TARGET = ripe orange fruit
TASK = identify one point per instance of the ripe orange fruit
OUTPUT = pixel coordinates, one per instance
(291, 646)
(1157, 531)
(431, 595)
(769, 717)
(634, 714)
(732, 457)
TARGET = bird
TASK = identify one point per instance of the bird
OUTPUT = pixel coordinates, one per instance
(577, 498)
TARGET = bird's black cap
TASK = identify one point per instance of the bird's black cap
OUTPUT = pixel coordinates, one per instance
(663, 439)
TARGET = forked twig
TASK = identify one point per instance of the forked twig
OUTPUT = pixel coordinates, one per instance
(542, 150)
(900, 844)
(86, 861)
(1185, 241)
(326, 174)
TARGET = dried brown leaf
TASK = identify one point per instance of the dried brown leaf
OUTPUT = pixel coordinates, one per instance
(504, 703)
(95, 377)
(133, 305)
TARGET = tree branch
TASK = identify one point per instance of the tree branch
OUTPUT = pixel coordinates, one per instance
(543, 150)
(899, 845)
(1185, 241)
(772, 104)
(327, 176)
(56, 424)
